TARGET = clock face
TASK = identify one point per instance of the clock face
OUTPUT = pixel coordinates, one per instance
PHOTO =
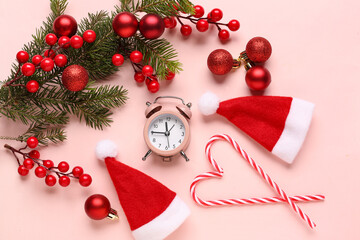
(166, 132)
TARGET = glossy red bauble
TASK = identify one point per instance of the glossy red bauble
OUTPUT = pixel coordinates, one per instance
(136, 56)
(77, 171)
(139, 77)
(22, 170)
(258, 49)
(199, 11)
(28, 69)
(224, 35)
(51, 39)
(147, 70)
(97, 206)
(75, 78)
(170, 75)
(85, 180)
(186, 30)
(60, 60)
(153, 86)
(202, 25)
(47, 64)
(40, 172)
(28, 163)
(117, 59)
(34, 154)
(258, 78)
(125, 24)
(22, 57)
(63, 166)
(49, 53)
(65, 25)
(216, 14)
(32, 86)
(48, 163)
(36, 60)
(32, 142)
(220, 62)
(50, 180)
(64, 42)
(234, 25)
(89, 36)
(64, 181)
(151, 26)
(76, 41)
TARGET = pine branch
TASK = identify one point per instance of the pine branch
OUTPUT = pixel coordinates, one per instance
(161, 7)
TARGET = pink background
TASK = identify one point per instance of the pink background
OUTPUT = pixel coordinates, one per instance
(315, 57)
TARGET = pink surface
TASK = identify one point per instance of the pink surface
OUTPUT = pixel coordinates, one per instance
(315, 57)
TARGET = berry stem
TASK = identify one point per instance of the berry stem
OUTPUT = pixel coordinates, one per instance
(195, 20)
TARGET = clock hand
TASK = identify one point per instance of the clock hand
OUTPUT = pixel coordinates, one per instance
(152, 132)
(166, 127)
(172, 127)
(167, 133)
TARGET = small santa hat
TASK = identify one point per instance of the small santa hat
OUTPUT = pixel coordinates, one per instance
(279, 124)
(152, 210)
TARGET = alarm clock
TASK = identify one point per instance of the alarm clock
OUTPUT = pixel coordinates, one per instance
(167, 131)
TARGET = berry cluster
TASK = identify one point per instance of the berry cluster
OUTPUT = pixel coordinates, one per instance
(45, 168)
(202, 23)
(49, 59)
(142, 72)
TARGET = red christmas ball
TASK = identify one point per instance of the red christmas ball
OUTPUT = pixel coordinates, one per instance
(258, 78)
(77, 171)
(32, 86)
(65, 25)
(47, 64)
(220, 62)
(28, 69)
(258, 49)
(60, 60)
(139, 77)
(50, 180)
(89, 36)
(32, 142)
(63, 166)
(64, 181)
(40, 172)
(75, 78)
(85, 180)
(22, 56)
(22, 170)
(125, 24)
(97, 206)
(36, 59)
(151, 26)
(76, 41)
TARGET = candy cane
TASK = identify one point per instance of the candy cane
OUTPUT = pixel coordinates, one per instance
(247, 201)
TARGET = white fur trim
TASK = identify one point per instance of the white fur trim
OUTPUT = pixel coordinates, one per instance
(164, 224)
(296, 126)
(106, 148)
(208, 103)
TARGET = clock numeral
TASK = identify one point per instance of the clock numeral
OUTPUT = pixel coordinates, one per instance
(175, 120)
(156, 126)
(154, 139)
(159, 145)
(168, 118)
(181, 126)
(180, 141)
(174, 146)
(166, 148)
(161, 120)
(182, 134)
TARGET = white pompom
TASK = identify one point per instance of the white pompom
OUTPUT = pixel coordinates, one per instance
(106, 148)
(208, 103)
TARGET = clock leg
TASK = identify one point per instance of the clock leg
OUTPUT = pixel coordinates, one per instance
(146, 155)
(184, 156)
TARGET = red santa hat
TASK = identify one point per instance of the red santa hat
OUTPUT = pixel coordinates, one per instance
(152, 210)
(279, 124)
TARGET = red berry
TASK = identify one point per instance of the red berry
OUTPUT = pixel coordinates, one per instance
(85, 180)
(48, 163)
(22, 56)
(32, 142)
(51, 39)
(147, 81)
(147, 70)
(36, 60)
(202, 25)
(185, 30)
(76, 41)
(64, 181)
(234, 25)
(32, 86)
(34, 154)
(28, 69)
(60, 60)
(28, 163)
(216, 14)
(174, 22)
(77, 171)
(153, 86)
(89, 36)
(117, 59)
(22, 170)
(49, 53)
(40, 172)
(47, 64)
(136, 56)
(139, 77)
(64, 42)
(50, 180)
(63, 166)
(224, 34)
(199, 11)
(170, 75)
(168, 22)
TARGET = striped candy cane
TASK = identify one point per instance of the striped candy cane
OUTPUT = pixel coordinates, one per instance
(247, 201)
